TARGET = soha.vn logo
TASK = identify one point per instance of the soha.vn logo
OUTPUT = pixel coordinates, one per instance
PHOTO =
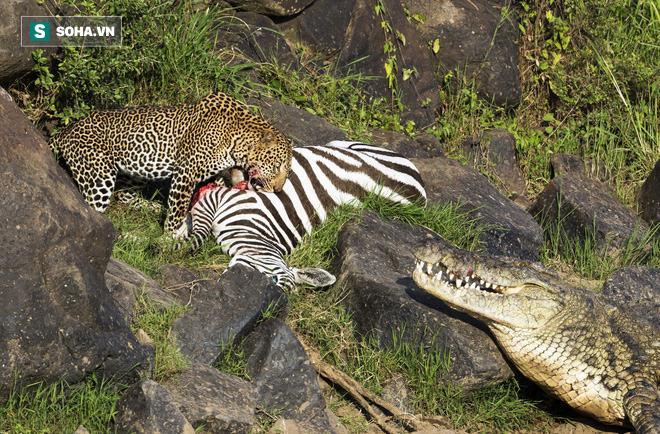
(39, 31)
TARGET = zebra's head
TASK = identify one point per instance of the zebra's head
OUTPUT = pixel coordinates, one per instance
(283, 276)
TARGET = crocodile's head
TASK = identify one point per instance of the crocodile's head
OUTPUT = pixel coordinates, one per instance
(500, 292)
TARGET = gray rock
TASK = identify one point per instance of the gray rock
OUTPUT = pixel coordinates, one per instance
(632, 284)
(125, 283)
(313, 30)
(15, 60)
(649, 196)
(184, 284)
(590, 167)
(512, 231)
(278, 365)
(638, 289)
(363, 52)
(496, 151)
(220, 402)
(475, 39)
(430, 144)
(57, 318)
(566, 163)
(583, 206)
(397, 142)
(376, 263)
(303, 127)
(229, 310)
(253, 38)
(278, 8)
(147, 408)
(291, 426)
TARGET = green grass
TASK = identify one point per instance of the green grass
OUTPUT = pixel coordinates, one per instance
(589, 74)
(157, 322)
(59, 408)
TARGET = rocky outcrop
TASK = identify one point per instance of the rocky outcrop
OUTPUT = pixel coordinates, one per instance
(477, 40)
(304, 128)
(510, 230)
(398, 142)
(279, 8)
(496, 153)
(280, 368)
(364, 51)
(58, 318)
(16, 61)
(126, 284)
(147, 407)
(585, 207)
(636, 287)
(375, 266)
(229, 310)
(214, 399)
(649, 196)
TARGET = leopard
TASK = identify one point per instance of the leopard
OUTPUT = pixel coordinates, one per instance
(186, 144)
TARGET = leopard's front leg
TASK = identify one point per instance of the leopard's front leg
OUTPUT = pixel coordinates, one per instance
(181, 191)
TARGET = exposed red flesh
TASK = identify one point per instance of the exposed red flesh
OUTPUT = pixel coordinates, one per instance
(202, 191)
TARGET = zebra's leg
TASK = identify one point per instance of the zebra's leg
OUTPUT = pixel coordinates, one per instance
(313, 276)
(272, 266)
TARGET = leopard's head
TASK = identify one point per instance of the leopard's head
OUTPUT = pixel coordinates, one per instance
(267, 159)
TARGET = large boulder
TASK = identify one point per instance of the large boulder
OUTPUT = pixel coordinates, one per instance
(57, 319)
(363, 52)
(301, 126)
(585, 207)
(219, 402)
(511, 231)
(230, 309)
(649, 196)
(312, 29)
(278, 365)
(278, 8)
(253, 38)
(15, 60)
(475, 38)
(398, 142)
(375, 266)
(636, 288)
(126, 284)
(148, 408)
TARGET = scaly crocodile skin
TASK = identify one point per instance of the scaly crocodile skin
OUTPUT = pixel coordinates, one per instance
(599, 358)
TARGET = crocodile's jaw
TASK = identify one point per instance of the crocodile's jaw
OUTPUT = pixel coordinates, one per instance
(495, 291)
(554, 337)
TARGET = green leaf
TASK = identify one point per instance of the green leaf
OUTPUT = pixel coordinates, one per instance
(549, 117)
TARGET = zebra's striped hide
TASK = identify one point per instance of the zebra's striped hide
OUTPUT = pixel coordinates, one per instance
(258, 229)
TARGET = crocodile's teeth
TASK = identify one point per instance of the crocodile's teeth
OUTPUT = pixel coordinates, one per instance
(481, 282)
(451, 276)
(459, 283)
(429, 267)
(474, 285)
(438, 276)
(420, 266)
(487, 285)
(467, 278)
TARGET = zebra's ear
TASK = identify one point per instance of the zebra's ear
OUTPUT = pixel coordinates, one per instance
(316, 277)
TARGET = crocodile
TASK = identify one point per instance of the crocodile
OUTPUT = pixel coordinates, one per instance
(598, 357)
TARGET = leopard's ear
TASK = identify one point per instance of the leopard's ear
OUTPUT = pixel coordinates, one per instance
(269, 137)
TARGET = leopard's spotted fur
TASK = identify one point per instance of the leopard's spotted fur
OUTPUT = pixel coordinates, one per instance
(188, 143)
